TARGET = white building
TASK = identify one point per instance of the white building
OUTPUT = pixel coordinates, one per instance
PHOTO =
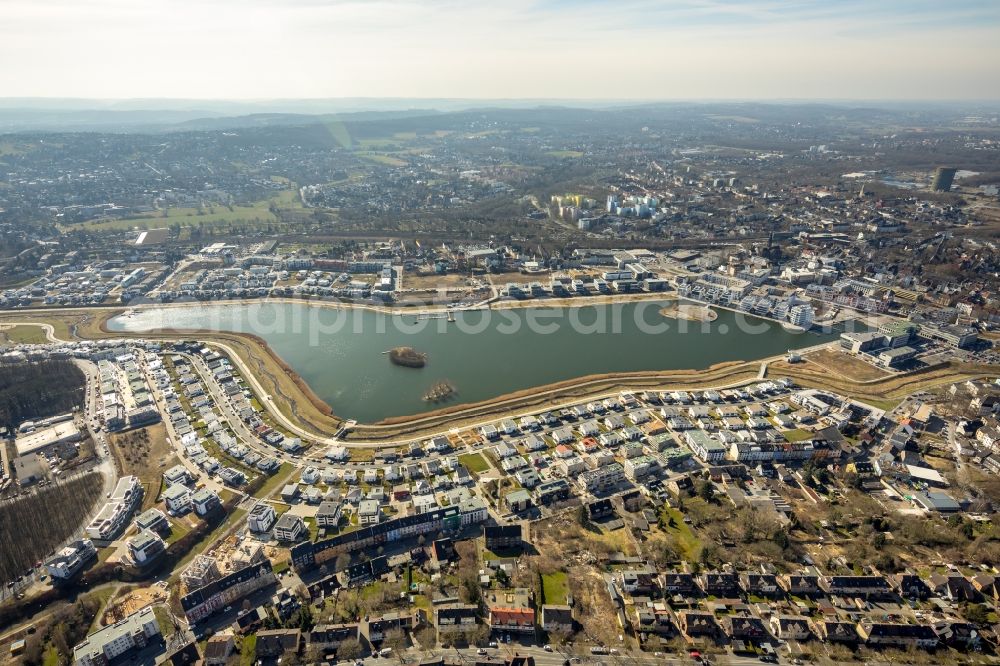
(113, 517)
(177, 498)
(102, 646)
(261, 517)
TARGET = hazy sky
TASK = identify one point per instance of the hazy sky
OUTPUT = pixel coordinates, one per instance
(627, 49)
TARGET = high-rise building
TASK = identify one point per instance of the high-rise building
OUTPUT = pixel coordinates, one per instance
(943, 178)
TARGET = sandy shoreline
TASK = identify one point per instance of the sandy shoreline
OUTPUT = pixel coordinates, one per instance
(689, 312)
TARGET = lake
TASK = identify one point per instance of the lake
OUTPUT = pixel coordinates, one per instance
(484, 354)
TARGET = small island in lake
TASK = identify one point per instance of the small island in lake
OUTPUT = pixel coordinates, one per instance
(441, 391)
(407, 357)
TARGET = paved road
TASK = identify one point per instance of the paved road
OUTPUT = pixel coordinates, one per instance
(557, 657)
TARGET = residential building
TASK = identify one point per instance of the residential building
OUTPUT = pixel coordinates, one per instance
(219, 648)
(556, 490)
(204, 601)
(177, 498)
(518, 500)
(369, 512)
(800, 585)
(556, 618)
(145, 547)
(855, 586)
(71, 559)
(511, 612)
(329, 514)
(289, 528)
(720, 584)
(328, 637)
(154, 520)
(790, 627)
(453, 517)
(455, 618)
(704, 447)
(205, 500)
(378, 627)
(897, 635)
(271, 644)
(744, 628)
(114, 516)
(103, 646)
(503, 537)
(261, 517)
(641, 467)
(695, 623)
(836, 631)
(602, 479)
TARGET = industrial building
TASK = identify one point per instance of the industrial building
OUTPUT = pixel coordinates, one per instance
(943, 179)
(39, 441)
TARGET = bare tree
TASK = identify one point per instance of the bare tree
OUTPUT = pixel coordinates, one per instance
(349, 650)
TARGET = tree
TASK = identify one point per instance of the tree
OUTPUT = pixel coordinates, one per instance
(977, 614)
(343, 561)
(470, 592)
(480, 634)
(559, 637)
(706, 490)
(427, 637)
(349, 650)
(886, 562)
(314, 654)
(396, 640)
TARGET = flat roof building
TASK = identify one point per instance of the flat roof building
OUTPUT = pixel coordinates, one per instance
(39, 440)
(101, 647)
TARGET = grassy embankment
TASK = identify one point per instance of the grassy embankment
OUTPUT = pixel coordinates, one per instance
(22, 334)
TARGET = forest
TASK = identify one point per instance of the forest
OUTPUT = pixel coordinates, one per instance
(37, 390)
(26, 539)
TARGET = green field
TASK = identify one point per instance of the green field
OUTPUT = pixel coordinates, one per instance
(797, 435)
(248, 650)
(166, 622)
(886, 404)
(13, 147)
(23, 335)
(277, 480)
(565, 153)
(685, 537)
(387, 160)
(258, 213)
(177, 530)
(234, 517)
(474, 462)
(555, 588)
(187, 217)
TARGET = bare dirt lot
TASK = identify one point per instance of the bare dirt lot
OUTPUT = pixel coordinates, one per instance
(433, 282)
(131, 602)
(845, 365)
(144, 453)
(519, 278)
